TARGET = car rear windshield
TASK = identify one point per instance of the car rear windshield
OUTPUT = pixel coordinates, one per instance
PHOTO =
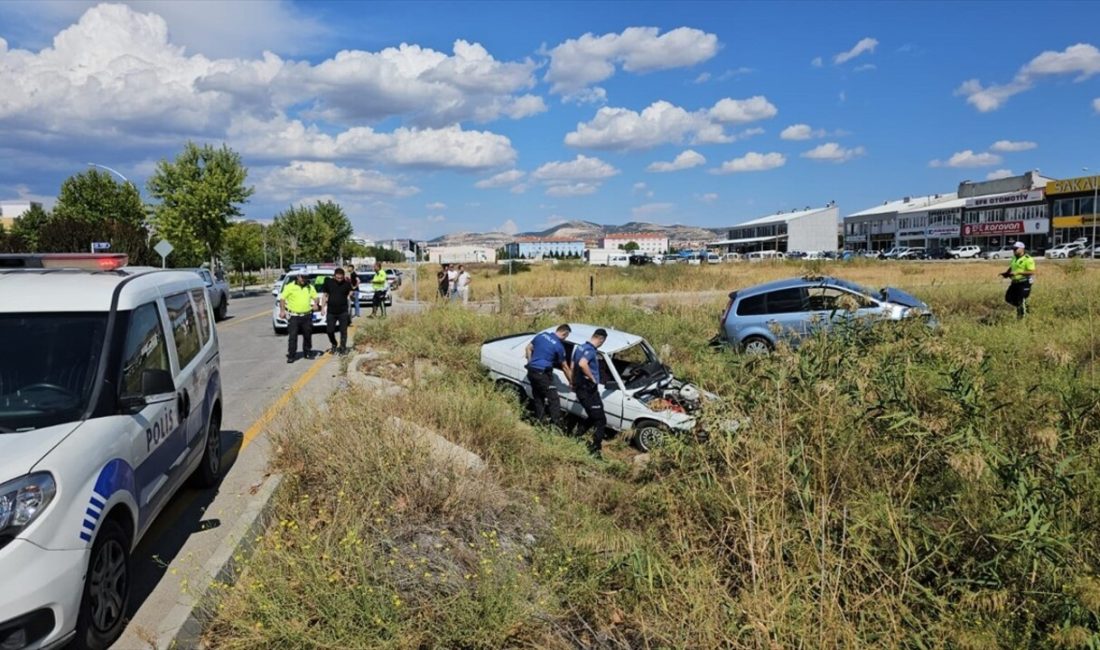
(48, 365)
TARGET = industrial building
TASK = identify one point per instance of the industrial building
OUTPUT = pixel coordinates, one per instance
(535, 248)
(812, 229)
(461, 255)
(10, 210)
(1073, 208)
(648, 243)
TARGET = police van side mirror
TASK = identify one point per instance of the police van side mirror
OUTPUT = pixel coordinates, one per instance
(156, 386)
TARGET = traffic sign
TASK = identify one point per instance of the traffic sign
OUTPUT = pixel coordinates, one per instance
(163, 248)
(101, 246)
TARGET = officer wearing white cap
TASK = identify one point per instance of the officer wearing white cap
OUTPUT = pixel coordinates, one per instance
(1021, 272)
(297, 301)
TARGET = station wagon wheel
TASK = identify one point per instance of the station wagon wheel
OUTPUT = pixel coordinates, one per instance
(515, 391)
(649, 435)
(756, 345)
(106, 589)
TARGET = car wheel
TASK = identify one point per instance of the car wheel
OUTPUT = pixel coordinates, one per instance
(279, 331)
(100, 619)
(515, 391)
(756, 345)
(223, 309)
(649, 435)
(209, 471)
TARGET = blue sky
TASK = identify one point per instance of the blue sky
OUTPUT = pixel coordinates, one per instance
(426, 118)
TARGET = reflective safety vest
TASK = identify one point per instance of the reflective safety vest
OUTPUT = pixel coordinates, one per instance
(378, 282)
(1019, 265)
(299, 300)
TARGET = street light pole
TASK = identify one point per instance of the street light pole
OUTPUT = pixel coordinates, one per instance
(1095, 187)
(112, 170)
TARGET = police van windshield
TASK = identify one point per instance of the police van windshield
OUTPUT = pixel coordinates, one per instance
(48, 363)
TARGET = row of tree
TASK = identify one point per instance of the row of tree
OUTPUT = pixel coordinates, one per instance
(197, 199)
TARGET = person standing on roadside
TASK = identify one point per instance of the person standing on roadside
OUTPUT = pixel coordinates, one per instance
(586, 384)
(441, 281)
(353, 278)
(297, 301)
(378, 283)
(336, 294)
(463, 283)
(544, 353)
(1021, 273)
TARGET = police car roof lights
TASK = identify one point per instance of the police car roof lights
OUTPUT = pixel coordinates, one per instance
(75, 261)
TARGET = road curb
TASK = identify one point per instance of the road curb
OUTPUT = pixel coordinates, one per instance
(183, 626)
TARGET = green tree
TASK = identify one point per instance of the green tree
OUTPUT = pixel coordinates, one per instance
(337, 227)
(199, 193)
(305, 235)
(27, 225)
(244, 246)
(630, 246)
(94, 196)
(69, 234)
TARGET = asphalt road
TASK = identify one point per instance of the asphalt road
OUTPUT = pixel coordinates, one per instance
(255, 376)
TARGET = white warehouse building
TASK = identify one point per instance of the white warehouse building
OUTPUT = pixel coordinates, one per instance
(461, 255)
(812, 229)
(648, 242)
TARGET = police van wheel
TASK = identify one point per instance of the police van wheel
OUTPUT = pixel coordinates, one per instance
(222, 311)
(209, 471)
(649, 435)
(106, 590)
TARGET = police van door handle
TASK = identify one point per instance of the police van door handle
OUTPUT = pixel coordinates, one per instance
(184, 403)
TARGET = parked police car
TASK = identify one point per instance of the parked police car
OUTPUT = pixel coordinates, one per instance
(110, 398)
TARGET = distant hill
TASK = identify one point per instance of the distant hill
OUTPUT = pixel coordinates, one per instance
(584, 230)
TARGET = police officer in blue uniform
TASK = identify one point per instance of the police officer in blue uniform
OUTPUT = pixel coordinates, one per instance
(586, 384)
(544, 353)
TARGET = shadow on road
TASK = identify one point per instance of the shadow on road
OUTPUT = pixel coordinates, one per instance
(181, 518)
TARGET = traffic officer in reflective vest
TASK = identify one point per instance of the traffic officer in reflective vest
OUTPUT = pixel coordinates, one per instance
(586, 384)
(1021, 271)
(378, 283)
(297, 301)
(544, 353)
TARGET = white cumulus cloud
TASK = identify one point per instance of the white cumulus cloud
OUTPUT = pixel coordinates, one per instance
(577, 177)
(581, 62)
(1009, 146)
(968, 158)
(438, 205)
(833, 152)
(686, 160)
(752, 162)
(709, 197)
(503, 179)
(1082, 60)
(817, 62)
(998, 174)
(801, 132)
(1096, 104)
(572, 189)
(286, 182)
(621, 129)
(649, 209)
(864, 45)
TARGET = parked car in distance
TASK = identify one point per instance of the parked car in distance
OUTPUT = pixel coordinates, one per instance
(964, 252)
(219, 293)
(393, 278)
(640, 260)
(911, 253)
(1002, 253)
(639, 392)
(936, 253)
(713, 258)
(1065, 251)
(756, 317)
(670, 259)
(731, 257)
(763, 256)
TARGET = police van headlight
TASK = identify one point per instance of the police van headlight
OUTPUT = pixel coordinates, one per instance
(21, 501)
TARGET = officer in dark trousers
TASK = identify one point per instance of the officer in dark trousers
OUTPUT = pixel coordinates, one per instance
(1021, 271)
(297, 301)
(586, 384)
(337, 292)
(544, 353)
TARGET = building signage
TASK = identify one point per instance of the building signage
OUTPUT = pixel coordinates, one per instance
(1070, 185)
(1073, 222)
(855, 239)
(1030, 196)
(1029, 227)
(939, 232)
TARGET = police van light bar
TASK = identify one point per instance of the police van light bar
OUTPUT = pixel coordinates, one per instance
(79, 261)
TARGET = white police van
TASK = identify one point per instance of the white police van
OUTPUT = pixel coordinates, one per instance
(110, 398)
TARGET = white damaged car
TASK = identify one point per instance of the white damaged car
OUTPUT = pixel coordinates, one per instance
(640, 393)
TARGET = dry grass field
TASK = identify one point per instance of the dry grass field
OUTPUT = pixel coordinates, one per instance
(892, 487)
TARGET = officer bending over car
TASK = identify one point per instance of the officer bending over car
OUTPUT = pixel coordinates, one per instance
(586, 384)
(297, 301)
(544, 353)
(337, 292)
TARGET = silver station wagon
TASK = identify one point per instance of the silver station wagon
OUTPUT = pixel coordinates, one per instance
(757, 317)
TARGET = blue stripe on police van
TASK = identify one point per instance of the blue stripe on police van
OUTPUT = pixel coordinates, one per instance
(85, 537)
(90, 525)
(97, 503)
(93, 513)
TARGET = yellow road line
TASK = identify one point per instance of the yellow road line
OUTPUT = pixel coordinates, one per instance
(273, 410)
(266, 312)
